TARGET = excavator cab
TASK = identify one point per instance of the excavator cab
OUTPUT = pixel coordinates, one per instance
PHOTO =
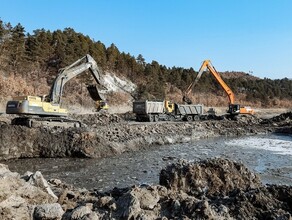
(234, 109)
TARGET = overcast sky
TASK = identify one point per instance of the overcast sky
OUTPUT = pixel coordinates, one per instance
(247, 35)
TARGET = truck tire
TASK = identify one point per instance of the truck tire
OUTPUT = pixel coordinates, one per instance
(156, 118)
(171, 118)
(151, 118)
(196, 117)
(189, 118)
(166, 118)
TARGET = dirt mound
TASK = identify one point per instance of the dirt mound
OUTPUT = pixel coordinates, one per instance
(107, 134)
(210, 189)
(282, 117)
(210, 177)
(97, 119)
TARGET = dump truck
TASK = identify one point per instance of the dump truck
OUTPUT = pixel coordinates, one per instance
(154, 111)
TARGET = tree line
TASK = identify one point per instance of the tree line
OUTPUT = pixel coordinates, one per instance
(42, 53)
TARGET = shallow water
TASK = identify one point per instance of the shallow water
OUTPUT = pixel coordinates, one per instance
(268, 155)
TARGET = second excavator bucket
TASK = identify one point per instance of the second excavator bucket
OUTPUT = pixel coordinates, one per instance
(94, 92)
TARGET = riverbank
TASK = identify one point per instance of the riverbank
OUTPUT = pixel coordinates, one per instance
(108, 135)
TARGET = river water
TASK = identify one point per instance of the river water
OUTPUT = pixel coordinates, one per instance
(268, 155)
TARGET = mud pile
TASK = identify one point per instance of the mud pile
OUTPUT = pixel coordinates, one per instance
(208, 178)
(210, 189)
(282, 117)
(97, 119)
(282, 121)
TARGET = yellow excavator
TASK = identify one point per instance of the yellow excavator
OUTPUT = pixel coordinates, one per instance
(233, 109)
(47, 110)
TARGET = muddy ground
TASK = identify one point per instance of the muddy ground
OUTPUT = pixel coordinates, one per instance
(209, 189)
(109, 134)
(269, 155)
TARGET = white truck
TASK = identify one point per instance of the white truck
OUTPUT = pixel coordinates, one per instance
(166, 110)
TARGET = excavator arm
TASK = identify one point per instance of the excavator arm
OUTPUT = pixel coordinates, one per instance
(233, 108)
(208, 65)
(73, 70)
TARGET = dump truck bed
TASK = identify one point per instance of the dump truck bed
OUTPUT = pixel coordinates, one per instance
(189, 109)
(148, 107)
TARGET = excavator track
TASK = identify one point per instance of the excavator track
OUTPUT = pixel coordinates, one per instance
(33, 122)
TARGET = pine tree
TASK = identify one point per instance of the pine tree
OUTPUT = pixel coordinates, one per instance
(17, 48)
(112, 56)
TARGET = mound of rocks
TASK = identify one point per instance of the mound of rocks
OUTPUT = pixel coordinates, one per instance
(209, 189)
(282, 117)
(97, 119)
(217, 177)
(26, 197)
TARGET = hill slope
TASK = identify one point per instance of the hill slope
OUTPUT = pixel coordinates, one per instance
(30, 62)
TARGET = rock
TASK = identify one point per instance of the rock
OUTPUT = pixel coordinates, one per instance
(80, 212)
(52, 211)
(128, 206)
(18, 197)
(148, 197)
(106, 202)
(209, 177)
(38, 180)
(91, 216)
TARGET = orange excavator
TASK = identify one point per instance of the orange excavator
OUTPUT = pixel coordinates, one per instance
(233, 109)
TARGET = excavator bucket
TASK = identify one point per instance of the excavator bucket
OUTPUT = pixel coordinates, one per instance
(94, 93)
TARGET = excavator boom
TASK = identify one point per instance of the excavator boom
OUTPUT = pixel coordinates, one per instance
(233, 108)
(208, 65)
(73, 70)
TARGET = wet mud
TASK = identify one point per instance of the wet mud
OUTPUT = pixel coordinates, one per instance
(143, 167)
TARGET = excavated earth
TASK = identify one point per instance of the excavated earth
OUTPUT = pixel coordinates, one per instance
(207, 189)
(107, 134)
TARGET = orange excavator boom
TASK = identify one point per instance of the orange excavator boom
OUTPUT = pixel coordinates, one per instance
(233, 108)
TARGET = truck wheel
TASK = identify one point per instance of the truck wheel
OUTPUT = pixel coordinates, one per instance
(151, 118)
(171, 118)
(189, 118)
(156, 118)
(196, 117)
(166, 118)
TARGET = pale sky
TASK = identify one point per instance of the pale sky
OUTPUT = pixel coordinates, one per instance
(246, 35)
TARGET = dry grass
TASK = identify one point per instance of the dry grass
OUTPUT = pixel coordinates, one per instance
(77, 99)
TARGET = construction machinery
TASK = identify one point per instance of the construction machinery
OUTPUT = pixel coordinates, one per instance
(233, 109)
(154, 111)
(47, 110)
(101, 105)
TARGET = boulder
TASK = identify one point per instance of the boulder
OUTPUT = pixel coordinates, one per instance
(52, 211)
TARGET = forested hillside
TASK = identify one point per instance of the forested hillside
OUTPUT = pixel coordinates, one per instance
(30, 61)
